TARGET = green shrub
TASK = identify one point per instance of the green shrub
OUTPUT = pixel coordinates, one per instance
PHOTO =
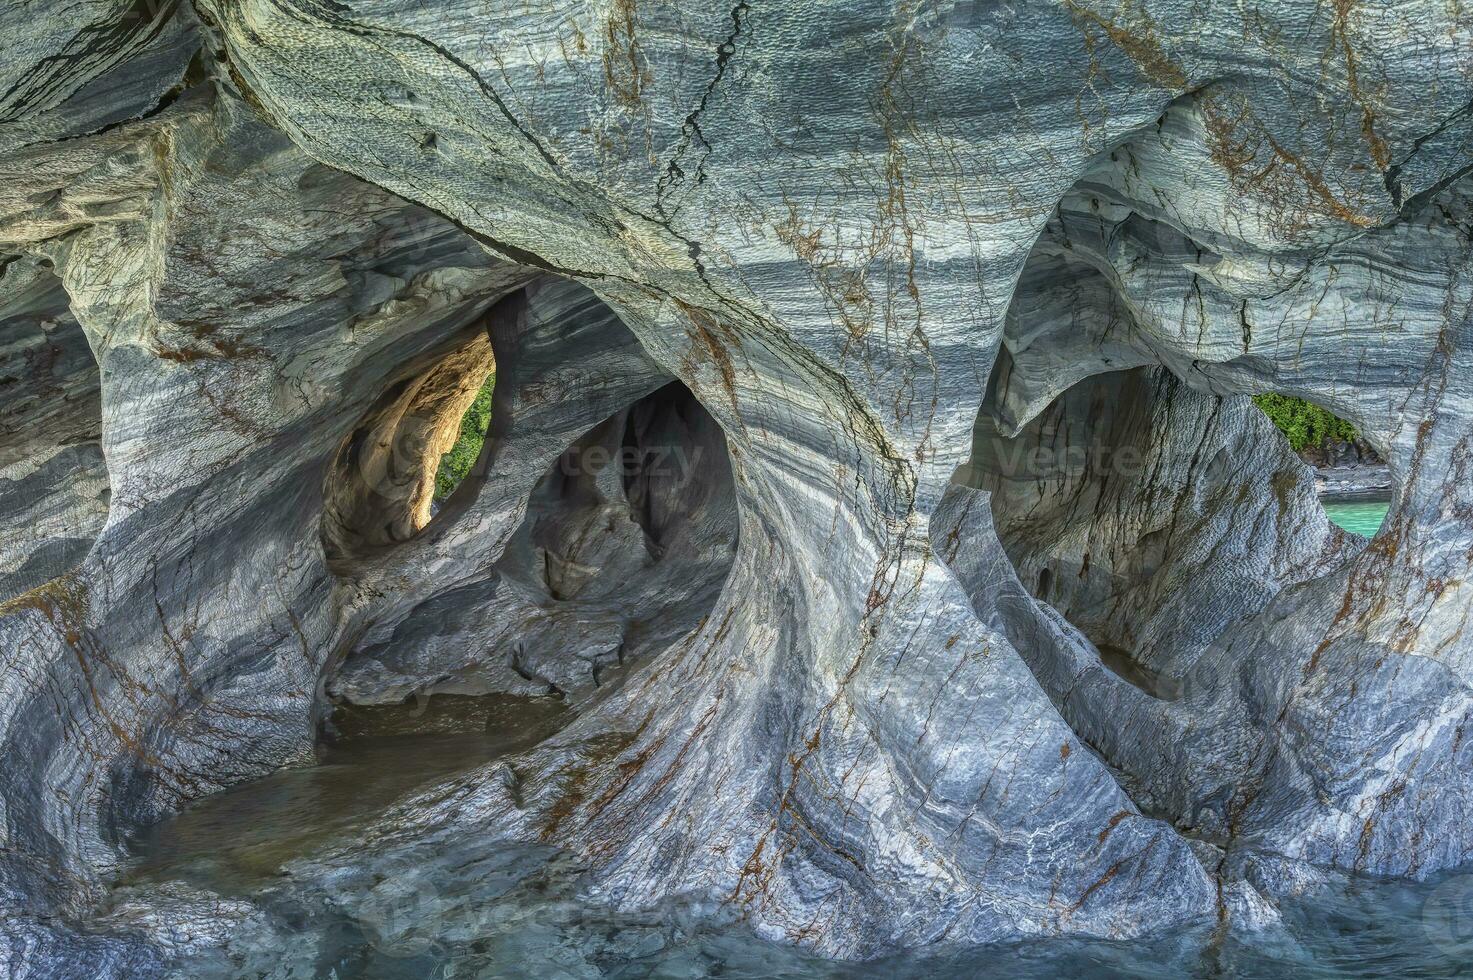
(457, 463)
(1306, 426)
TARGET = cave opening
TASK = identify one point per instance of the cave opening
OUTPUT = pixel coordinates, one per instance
(1150, 515)
(457, 461)
(562, 562)
(1351, 477)
(418, 444)
(624, 545)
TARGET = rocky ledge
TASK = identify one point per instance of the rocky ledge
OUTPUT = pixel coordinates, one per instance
(872, 465)
(1345, 484)
(1349, 471)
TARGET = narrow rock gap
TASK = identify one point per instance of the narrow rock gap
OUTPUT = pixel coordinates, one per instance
(469, 436)
(413, 449)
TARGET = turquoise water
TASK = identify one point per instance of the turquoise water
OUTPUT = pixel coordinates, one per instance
(1364, 519)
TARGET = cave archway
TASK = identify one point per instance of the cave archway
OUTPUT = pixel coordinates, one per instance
(1265, 648)
(384, 482)
(625, 544)
(1137, 486)
(558, 559)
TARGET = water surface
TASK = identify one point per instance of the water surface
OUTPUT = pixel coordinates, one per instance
(1360, 518)
(234, 840)
(467, 907)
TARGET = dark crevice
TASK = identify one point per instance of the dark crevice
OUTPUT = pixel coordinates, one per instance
(146, 19)
(690, 130)
(1393, 173)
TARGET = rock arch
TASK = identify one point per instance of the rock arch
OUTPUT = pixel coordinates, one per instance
(877, 739)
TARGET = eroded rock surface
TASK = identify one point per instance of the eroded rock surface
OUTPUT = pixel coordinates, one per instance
(862, 676)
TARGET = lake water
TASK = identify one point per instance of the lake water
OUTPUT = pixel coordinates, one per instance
(518, 914)
(1364, 519)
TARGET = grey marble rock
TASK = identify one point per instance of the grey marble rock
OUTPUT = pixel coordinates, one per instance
(51, 465)
(980, 601)
(1361, 482)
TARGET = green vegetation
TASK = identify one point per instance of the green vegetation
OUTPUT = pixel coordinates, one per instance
(457, 463)
(1307, 426)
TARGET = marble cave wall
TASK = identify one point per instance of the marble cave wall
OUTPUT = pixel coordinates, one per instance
(958, 593)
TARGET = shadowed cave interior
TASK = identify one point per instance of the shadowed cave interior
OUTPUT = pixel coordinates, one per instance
(1127, 485)
(624, 546)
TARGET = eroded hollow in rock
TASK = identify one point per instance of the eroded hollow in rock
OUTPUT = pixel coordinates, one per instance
(53, 478)
(1351, 475)
(1151, 516)
(382, 486)
(626, 542)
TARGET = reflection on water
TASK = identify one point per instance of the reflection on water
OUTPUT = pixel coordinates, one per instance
(1127, 667)
(465, 906)
(244, 835)
(1364, 519)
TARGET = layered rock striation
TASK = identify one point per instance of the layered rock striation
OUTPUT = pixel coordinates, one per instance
(872, 462)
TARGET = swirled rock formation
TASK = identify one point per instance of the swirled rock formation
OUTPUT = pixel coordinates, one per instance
(956, 591)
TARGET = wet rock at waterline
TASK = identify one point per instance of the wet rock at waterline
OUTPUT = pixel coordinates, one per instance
(871, 471)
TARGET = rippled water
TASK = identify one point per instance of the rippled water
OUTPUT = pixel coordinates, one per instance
(470, 909)
(1364, 519)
